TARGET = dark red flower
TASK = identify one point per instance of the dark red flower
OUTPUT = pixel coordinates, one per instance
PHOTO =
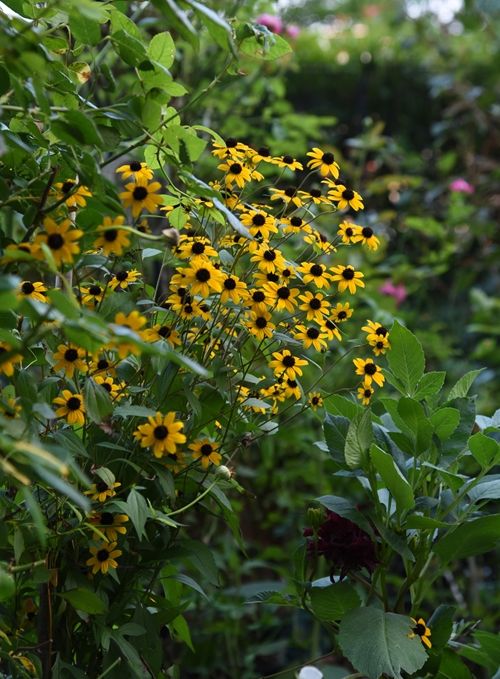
(343, 544)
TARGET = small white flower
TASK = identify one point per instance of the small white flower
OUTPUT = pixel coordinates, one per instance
(310, 672)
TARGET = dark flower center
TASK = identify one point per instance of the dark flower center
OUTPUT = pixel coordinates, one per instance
(348, 231)
(381, 331)
(206, 449)
(315, 400)
(419, 629)
(188, 309)
(231, 143)
(367, 232)
(296, 221)
(160, 432)
(71, 355)
(328, 158)
(198, 248)
(291, 191)
(367, 393)
(379, 345)
(67, 186)
(55, 241)
(94, 290)
(235, 168)
(139, 193)
(288, 361)
(73, 403)
(283, 292)
(230, 284)
(272, 277)
(330, 325)
(102, 364)
(203, 275)
(110, 235)
(258, 220)
(315, 193)
(135, 166)
(315, 303)
(102, 555)
(286, 273)
(316, 270)
(341, 315)
(122, 276)
(258, 296)
(106, 386)
(264, 151)
(348, 274)
(101, 487)
(164, 331)
(269, 255)
(292, 384)
(312, 333)
(288, 160)
(27, 288)
(347, 194)
(370, 369)
(106, 519)
(260, 322)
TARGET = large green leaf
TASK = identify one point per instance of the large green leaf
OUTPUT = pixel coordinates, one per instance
(85, 600)
(333, 602)
(377, 643)
(477, 536)
(461, 388)
(358, 439)
(406, 358)
(484, 449)
(162, 49)
(393, 479)
(429, 385)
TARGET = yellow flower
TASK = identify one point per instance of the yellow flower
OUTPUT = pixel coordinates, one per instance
(315, 400)
(162, 433)
(141, 196)
(324, 162)
(77, 198)
(7, 365)
(236, 173)
(115, 391)
(344, 197)
(379, 344)
(289, 162)
(69, 358)
(112, 240)
(315, 273)
(206, 451)
(71, 407)
(285, 363)
(161, 332)
(331, 330)
(421, 630)
(367, 237)
(61, 239)
(109, 524)
(369, 371)
(288, 195)
(347, 278)
(92, 295)
(316, 305)
(231, 149)
(311, 336)
(101, 491)
(258, 223)
(268, 259)
(341, 312)
(203, 278)
(122, 279)
(233, 289)
(283, 295)
(365, 393)
(375, 330)
(195, 249)
(35, 290)
(133, 321)
(259, 324)
(347, 231)
(10, 408)
(139, 171)
(103, 557)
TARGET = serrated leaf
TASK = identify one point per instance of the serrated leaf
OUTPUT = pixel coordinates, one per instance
(393, 479)
(386, 649)
(358, 439)
(461, 388)
(406, 358)
(333, 602)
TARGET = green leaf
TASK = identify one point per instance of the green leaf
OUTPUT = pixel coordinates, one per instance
(264, 46)
(137, 510)
(393, 479)
(162, 49)
(86, 30)
(406, 358)
(130, 49)
(218, 27)
(7, 585)
(65, 303)
(358, 439)
(445, 421)
(180, 630)
(85, 600)
(178, 20)
(133, 411)
(451, 667)
(462, 386)
(73, 127)
(134, 663)
(386, 649)
(441, 625)
(429, 385)
(486, 489)
(485, 450)
(98, 404)
(340, 405)
(477, 536)
(333, 602)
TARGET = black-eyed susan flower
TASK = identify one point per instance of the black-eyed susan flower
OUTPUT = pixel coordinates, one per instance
(61, 239)
(32, 290)
(315, 400)
(347, 232)
(92, 295)
(109, 524)
(258, 223)
(379, 344)
(123, 278)
(283, 296)
(344, 197)
(259, 300)
(260, 325)
(331, 330)
(365, 394)
(290, 195)
(69, 358)
(311, 336)
(162, 433)
(315, 305)
(285, 363)
(141, 196)
(133, 321)
(369, 371)
(137, 170)
(236, 172)
(71, 407)
(314, 196)
(313, 272)
(195, 248)
(112, 240)
(115, 390)
(162, 332)
(233, 289)
(288, 162)
(341, 312)
(101, 490)
(203, 278)
(374, 330)
(7, 364)
(291, 389)
(10, 408)
(294, 224)
(268, 259)
(232, 148)
(324, 162)
(75, 197)
(319, 241)
(347, 278)
(102, 364)
(206, 451)
(421, 630)
(367, 237)
(104, 557)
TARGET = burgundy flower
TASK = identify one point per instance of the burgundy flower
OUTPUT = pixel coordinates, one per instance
(343, 544)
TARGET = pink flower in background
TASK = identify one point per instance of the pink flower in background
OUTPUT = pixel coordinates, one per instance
(292, 31)
(461, 185)
(270, 21)
(397, 292)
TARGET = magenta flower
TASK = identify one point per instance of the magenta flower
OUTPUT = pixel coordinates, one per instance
(461, 185)
(398, 292)
(270, 21)
(292, 31)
